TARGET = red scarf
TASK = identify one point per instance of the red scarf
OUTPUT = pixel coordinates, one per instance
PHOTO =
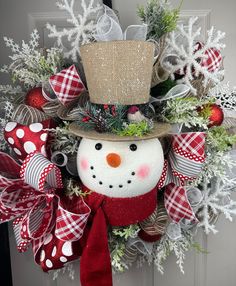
(95, 264)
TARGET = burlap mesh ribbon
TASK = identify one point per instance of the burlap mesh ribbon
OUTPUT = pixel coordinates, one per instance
(156, 223)
(70, 111)
(27, 115)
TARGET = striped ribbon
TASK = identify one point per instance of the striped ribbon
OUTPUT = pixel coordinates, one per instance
(33, 203)
(27, 115)
(156, 223)
(36, 170)
(184, 163)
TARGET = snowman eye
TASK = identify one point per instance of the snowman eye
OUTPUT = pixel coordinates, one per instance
(98, 146)
(133, 147)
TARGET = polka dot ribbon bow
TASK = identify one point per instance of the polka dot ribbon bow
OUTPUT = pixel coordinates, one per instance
(31, 197)
(184, 163)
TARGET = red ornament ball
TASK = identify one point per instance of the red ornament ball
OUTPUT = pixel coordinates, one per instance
(35, 98)
(216, 116)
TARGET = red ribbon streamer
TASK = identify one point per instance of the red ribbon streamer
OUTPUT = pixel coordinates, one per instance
(37, 211)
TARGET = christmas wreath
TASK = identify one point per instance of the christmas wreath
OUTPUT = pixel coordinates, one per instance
(118, 147)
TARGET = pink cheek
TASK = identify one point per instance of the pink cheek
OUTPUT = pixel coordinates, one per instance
(84, 164)
(143, 172)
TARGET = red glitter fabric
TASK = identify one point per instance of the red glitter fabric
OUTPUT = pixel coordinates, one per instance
(108, 211)
(124, 211)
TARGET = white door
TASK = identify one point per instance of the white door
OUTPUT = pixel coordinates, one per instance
(17, 19)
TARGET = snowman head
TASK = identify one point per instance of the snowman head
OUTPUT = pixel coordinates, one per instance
(120, 169)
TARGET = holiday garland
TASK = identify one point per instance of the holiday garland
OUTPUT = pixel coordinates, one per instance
(202, 105)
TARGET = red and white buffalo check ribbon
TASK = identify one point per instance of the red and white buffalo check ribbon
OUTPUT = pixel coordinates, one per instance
(177, 204)
(67, 85)
(33, 202)
(184, 163)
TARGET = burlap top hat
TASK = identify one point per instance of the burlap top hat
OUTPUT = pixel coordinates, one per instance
(118, 73)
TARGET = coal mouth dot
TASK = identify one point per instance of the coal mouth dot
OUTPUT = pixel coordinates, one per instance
(111, 186)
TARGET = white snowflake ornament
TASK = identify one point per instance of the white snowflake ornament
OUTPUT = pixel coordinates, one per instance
(83, 23)
(193, 59)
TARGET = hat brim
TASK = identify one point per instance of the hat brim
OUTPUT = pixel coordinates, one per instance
(159, 130)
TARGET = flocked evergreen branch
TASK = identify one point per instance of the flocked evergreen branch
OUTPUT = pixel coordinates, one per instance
(73, 189)
(10, 90)
(188, 61)
(83, 26)
(218, 160)
(30, 65)
(126, 232)
(63, 140)
(219, 139)
(102, 118)
(185, 111)
(118, 239)
(117, 254)
(159, 17)
(166, 246)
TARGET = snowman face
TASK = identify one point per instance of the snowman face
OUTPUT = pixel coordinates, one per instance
(120, 169)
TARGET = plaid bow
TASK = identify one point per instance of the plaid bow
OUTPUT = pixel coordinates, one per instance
(184, 163)
(67, 85)
(31, 200)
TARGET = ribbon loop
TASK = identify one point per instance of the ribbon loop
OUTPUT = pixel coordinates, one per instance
(108, 29)
(67, 85)
(70, 224)
(36, 170)
(184, 163)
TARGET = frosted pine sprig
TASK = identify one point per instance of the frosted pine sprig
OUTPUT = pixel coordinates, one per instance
(30, 65)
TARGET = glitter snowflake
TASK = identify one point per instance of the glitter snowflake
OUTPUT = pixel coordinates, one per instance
(216, 200)
(83, 26)
(188, 57)
(225, 95)
(226, 98)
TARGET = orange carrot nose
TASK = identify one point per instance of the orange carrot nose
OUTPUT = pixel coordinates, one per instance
(113, 160)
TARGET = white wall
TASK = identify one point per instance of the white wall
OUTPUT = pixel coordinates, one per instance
(222, 17)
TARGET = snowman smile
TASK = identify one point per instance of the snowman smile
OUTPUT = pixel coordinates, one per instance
(110, 186)
(120, 169)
